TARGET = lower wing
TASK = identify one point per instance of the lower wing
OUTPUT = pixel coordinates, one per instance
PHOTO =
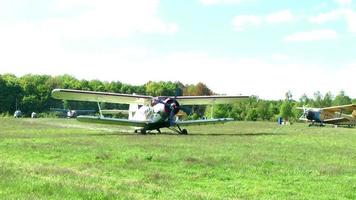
(336, 120)
(203, 121)
(114, 121)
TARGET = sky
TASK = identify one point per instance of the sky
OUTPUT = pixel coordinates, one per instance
(249, 47)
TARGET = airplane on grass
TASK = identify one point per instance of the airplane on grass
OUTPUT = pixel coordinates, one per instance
(72, 113)
(147, 113)
(330, 115)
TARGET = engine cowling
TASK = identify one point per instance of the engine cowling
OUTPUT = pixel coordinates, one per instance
(314, 116)
(171, 105)
(310, 115)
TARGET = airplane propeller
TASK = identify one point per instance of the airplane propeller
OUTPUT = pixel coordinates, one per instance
(171, 106)
(305, 112)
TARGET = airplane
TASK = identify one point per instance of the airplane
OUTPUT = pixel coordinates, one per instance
(330, 115)
(147, 113)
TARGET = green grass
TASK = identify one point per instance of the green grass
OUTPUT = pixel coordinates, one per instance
(65, 159)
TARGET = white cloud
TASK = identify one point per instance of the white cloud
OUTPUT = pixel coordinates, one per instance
(313, 35)
(280, 57)
(216, 2)
(99, 19)
(348, 75)
(139, 65)
(111, 18)
(351, 21)
(338, 14)
(241, 22)
(327, 17)
(39, 47)
(343, 2)
(280, 17)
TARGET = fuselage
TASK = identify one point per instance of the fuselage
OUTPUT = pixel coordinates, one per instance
(158, 111)
(148, 113)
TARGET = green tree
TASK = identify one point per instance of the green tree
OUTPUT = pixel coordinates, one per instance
(10, 93)
(252, 114)
(286, 110)
(327, 100)
(342, 99)
(318, 100)
(304, 100)
(263, 110)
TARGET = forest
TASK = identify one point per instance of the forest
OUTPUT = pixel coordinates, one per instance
(32, 93)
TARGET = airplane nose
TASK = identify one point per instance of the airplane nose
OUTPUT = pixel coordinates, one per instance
(310, 115)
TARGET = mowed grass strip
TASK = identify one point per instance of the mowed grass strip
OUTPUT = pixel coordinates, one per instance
(65, 159)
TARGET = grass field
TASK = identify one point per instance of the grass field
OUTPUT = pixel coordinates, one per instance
(65, 159)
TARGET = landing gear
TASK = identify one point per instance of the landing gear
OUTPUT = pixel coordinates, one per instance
(184, 132)
(179, 130)
(313, 123)
(142, 131)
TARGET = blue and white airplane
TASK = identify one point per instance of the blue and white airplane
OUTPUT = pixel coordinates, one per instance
(147, 113)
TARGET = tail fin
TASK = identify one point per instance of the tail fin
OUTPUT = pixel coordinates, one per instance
(132, 110)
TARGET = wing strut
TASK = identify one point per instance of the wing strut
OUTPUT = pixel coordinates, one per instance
(212, 109)
(101, 114)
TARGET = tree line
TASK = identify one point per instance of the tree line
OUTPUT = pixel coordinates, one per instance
(33, 93)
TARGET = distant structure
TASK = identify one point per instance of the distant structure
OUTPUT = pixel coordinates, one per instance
(33, 115)
(71, 114)
(17, 114)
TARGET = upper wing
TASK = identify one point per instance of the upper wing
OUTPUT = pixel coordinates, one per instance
(203, 121)
(208, 100)
(350, 107)
(108, 120)
(81, 95)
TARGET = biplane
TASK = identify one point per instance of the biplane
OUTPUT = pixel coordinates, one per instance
(147, 113)
(72, 113)
(335, 115)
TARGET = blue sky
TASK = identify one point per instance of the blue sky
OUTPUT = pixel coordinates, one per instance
(264, 48)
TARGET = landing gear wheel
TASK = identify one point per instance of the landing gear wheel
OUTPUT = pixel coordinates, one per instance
(143, 131)
(184, 132)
